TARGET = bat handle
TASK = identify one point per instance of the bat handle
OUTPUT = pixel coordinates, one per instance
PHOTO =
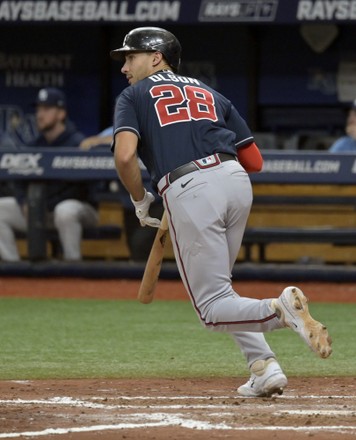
(164, 222)
(154, 263)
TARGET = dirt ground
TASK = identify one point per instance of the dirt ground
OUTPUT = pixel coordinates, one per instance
(165, 290)
(320, 408)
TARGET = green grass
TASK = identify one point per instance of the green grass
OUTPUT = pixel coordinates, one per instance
(116, 339)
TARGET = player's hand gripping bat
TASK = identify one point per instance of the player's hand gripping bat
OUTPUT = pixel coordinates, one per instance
(154, 263)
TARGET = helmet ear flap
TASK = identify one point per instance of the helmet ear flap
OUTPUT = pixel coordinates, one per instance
(151, 39)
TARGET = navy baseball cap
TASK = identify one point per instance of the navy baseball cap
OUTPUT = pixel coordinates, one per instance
(51, 97)
(353, 105)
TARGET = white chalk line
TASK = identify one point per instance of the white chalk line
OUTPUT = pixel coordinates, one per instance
(318, 412)
(69, 401)
(284, 396)
(159, 419)
(192, 424)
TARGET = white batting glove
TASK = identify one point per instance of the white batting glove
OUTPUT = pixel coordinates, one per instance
(142, 207)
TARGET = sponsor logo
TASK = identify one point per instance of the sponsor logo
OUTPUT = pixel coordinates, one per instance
(83, 163)
(183, 185)
(34, 70)
(90, 10)
(302, 166)
(22, 163)
(326, 10)
(238, 10)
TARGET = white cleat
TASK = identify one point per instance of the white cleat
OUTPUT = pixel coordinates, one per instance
(292, 309)
(266, 379)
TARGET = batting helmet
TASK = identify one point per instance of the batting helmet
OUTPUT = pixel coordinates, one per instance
(150, 39)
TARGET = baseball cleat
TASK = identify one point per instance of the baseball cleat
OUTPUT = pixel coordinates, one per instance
(292, 310)
(266, 379)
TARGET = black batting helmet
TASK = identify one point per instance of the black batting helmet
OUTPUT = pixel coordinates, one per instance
(150, 39)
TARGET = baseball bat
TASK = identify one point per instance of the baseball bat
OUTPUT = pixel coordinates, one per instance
(153, 264)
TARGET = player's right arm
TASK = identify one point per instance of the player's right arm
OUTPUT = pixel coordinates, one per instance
(127, 164)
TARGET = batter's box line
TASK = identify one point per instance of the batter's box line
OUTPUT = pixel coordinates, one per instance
(177, 422)
(90, 403)
(84, 404)
(214, 397)
(76, 403)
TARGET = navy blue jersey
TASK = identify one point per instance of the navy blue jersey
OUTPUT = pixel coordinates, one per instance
(178, 119)
(70, 137)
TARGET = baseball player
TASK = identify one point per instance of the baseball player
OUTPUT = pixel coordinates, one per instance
(199, 151)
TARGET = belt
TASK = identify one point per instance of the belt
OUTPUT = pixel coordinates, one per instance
(194, 165)
(197, 165)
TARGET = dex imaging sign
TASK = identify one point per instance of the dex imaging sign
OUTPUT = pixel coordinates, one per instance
(22, 163)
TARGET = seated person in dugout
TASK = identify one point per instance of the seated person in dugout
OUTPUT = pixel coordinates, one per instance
(347, 143)
(69, 205)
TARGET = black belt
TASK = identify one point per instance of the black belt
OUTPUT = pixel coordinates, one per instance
(192, 166)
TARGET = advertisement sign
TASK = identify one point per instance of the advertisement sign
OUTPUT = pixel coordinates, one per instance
(165, 11)
(47, 57)
(240, 10)
(74, 164)
(89, 11)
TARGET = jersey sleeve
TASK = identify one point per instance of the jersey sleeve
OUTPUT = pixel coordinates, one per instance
(125, 118)
(237, 124)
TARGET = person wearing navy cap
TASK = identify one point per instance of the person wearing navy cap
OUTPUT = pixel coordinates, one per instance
(347, 144)
(51, 97)
(69, 205)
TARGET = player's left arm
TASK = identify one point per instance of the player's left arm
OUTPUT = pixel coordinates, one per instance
(248, 153)
(250, 158)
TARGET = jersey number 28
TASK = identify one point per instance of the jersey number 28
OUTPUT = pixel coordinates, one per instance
(180, 105)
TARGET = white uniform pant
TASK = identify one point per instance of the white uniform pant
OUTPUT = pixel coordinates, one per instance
(69, 218)
(208, 210)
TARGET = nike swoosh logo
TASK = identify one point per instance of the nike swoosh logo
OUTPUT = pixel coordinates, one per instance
(183, 185)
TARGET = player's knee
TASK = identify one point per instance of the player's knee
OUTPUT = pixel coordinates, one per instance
(63, 214)
(211, 319)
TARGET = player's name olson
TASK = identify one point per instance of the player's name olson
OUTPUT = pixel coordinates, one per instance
(175, 78)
